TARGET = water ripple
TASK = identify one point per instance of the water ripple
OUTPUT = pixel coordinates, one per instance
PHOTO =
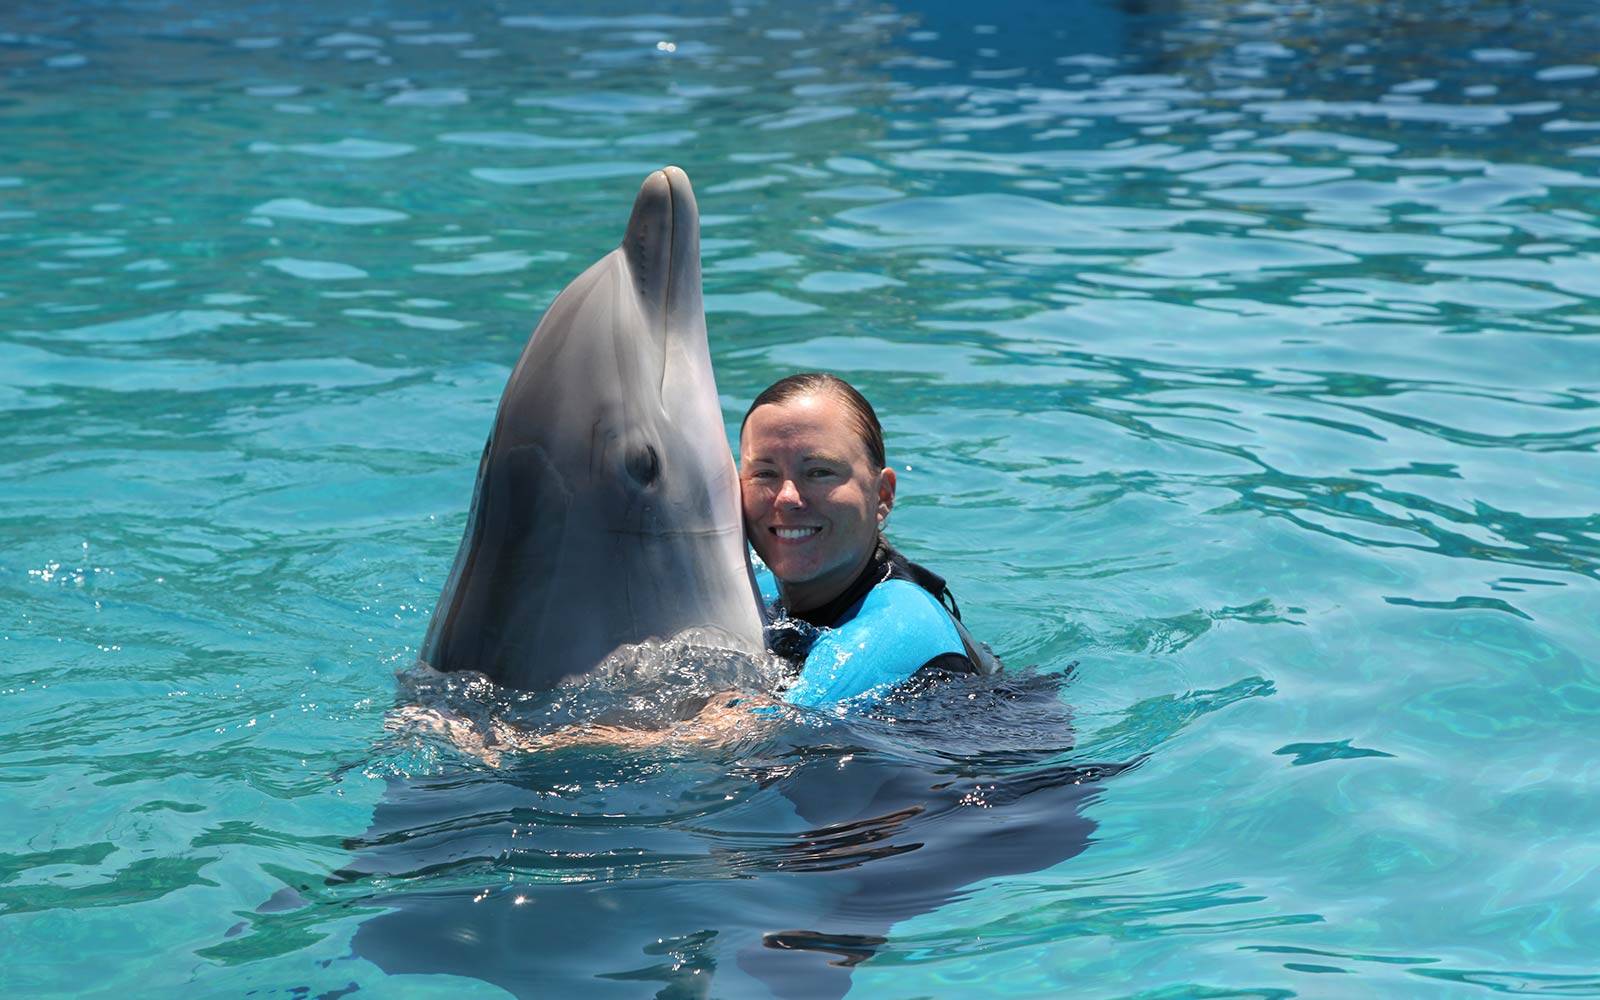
(1236, 363)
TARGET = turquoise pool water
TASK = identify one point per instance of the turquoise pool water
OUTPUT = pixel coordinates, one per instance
(1244, 355)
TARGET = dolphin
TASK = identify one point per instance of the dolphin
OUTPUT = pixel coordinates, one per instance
(606, 510)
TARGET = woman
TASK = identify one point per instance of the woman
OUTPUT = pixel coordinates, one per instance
(816, 491)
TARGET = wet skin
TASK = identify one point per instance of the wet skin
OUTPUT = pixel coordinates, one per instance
(813, 500)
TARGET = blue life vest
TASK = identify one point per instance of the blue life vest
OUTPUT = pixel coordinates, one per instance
(893, 631)
(896, 629)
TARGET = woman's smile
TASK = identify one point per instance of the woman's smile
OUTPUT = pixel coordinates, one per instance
(793, 534)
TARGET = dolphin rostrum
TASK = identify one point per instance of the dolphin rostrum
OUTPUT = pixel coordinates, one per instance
(606, 510)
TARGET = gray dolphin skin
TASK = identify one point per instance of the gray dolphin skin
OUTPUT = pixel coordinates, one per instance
(606, 510)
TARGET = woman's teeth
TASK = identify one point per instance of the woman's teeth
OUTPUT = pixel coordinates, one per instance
(793, 533)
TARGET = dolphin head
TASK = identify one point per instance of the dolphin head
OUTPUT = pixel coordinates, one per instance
(607, 505)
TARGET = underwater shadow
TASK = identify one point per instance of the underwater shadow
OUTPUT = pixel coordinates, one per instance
(761, 870)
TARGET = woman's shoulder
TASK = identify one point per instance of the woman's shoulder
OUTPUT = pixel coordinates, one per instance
(908, 611)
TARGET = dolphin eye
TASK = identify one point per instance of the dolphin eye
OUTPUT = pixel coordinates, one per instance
(644, 465)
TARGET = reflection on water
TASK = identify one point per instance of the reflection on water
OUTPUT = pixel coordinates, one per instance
(1244, 354)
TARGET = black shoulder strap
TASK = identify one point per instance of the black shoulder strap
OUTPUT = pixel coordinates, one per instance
(927, 579)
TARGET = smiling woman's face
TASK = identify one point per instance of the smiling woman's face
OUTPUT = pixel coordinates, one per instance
(813, 501)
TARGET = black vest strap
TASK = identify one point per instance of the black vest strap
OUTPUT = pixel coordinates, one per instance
(927, 579)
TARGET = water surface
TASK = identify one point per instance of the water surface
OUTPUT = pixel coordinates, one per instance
(1243, 355)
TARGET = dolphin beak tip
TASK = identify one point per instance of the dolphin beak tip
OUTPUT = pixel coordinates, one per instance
(657, 184)
(661, 246)
(678, 182)
(665, 200)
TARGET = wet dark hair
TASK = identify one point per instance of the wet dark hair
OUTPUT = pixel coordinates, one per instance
(819, 383)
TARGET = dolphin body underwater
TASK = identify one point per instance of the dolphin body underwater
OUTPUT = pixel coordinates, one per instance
(606, 510)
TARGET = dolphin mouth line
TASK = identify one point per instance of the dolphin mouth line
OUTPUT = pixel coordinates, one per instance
(666, 293)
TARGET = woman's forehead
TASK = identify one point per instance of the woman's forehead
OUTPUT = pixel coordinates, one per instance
(816, 423)
(822, 413)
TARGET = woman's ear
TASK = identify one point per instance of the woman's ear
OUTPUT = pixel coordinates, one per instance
(885, 494)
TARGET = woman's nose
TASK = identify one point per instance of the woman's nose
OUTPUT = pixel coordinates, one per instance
(789, 495)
